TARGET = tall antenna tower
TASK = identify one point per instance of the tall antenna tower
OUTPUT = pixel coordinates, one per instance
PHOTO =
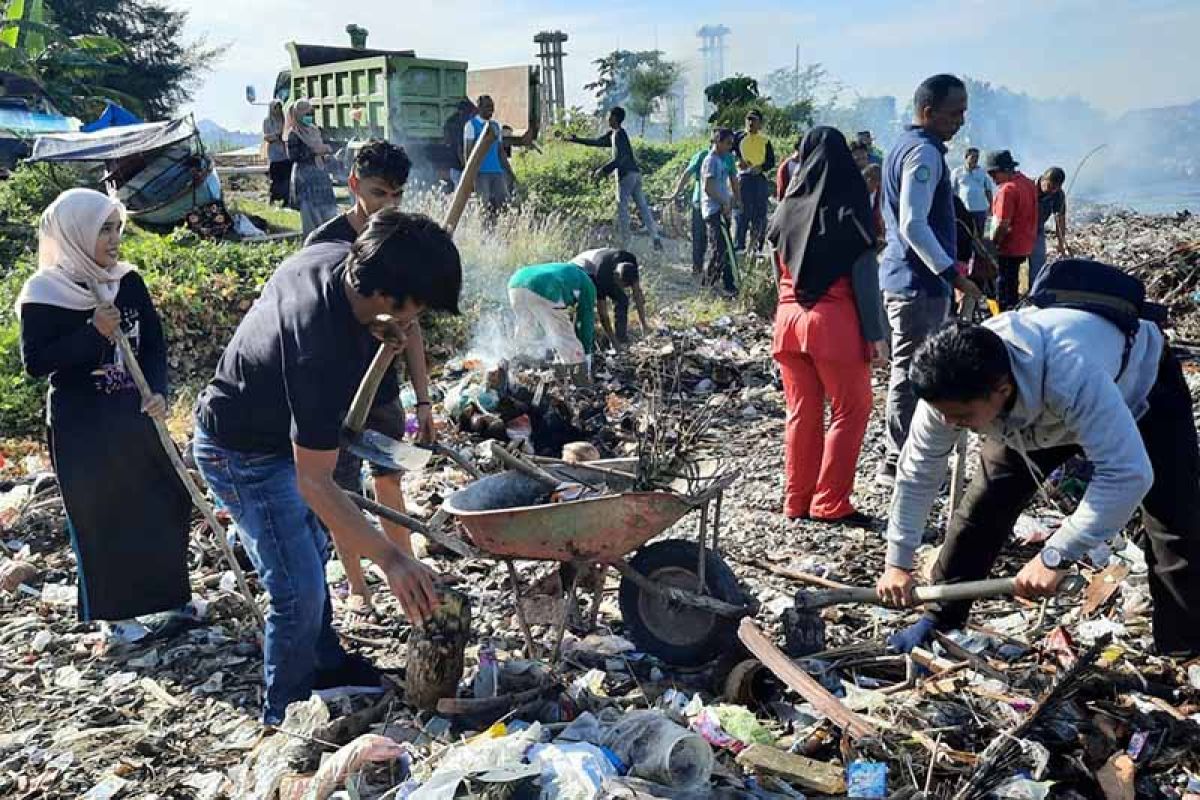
(712, 51)
(551, 54)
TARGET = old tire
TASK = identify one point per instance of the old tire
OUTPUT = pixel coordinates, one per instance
(679, 635)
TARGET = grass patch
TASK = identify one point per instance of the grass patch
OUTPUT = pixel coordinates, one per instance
(280, 219)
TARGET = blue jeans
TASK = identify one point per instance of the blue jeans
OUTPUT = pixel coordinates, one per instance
(288, 546)
(1037, 259)
(629, 189)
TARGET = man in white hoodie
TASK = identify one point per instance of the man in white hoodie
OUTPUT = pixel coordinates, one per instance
(1041, 385)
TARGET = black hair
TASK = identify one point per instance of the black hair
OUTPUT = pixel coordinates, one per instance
(383, 160)
(864, 133)
(406, 256)
(627, 269)
(934, 90)
(959, 363)
(1056, 174)
(970, 150)
(721, 134)
(798, 143)
(617, 112)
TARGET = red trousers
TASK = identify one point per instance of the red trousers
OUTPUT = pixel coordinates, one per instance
(822, 357)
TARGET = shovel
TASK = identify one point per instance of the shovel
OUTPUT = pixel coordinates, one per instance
(805, 629)
(372, 445)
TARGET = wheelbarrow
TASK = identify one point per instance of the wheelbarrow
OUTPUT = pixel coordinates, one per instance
(679, 600)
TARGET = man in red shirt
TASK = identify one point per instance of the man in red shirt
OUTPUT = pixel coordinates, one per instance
(1014, 216)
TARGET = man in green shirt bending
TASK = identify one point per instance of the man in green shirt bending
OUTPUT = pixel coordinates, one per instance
(542, 297)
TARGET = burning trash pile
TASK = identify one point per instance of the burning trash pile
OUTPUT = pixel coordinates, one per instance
(569, 682)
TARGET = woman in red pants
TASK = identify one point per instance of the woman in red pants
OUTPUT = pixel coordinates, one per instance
(828, 327)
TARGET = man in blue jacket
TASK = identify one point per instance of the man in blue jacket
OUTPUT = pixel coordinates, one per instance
(1042, 385)
(917, 271)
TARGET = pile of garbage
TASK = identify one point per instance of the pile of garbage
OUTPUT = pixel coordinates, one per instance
(1162, 250)
(1061, 699)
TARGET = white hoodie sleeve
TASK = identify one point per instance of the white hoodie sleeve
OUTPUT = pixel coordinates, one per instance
(919, 475)
(1091, 405)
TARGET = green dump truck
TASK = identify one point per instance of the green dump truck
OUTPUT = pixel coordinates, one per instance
(359, 93)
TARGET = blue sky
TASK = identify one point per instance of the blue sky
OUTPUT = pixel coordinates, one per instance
(1117, 54)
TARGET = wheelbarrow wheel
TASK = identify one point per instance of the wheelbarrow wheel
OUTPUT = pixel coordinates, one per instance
(679, 635)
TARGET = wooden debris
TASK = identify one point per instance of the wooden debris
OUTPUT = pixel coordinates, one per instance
(977, 663)
(435, 652)
(799, 681)
(935, 664)
(807, 773)
(1116, 778)
(1102, 587)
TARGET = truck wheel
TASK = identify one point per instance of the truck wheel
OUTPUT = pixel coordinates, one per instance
(679, 634)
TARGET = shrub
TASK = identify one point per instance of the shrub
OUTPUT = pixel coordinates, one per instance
(559, 179)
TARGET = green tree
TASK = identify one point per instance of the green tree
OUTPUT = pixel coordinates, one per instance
(75, 72)
(615, 73)
(650, 83)
(789, 86)
(736, 91)
(162, 68)
(735, 97)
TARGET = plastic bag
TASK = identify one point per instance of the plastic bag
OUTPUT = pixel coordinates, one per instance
(571, 771)
(366, 749)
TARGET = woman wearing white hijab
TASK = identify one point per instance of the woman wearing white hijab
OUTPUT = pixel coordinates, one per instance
(312, 191)
(127, 512)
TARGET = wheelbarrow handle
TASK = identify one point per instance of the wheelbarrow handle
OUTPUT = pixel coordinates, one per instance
(431, 530)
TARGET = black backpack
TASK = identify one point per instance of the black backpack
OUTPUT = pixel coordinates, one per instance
(1101, 289)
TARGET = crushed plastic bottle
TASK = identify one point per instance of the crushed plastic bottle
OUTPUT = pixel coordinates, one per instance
(656, 749)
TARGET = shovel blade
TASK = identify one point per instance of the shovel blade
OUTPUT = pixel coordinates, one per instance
(387, 452)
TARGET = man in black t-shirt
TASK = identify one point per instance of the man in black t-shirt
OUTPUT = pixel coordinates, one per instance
(377, 181)
(268, 428)
(613, 271)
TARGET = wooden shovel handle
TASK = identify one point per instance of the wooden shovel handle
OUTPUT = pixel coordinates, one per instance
(466, 183)
(360, 407)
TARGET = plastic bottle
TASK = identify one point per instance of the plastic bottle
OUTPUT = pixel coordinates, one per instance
(656, 749)
(487, 679)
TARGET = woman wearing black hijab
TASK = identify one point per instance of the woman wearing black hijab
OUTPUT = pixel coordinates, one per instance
(828, 327)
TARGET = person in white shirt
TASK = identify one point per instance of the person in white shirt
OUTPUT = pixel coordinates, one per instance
(974, 187)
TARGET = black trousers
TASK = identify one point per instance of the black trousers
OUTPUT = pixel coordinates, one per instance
(1008, 282)
(719, 263)
(280, 173)
(752, 218)
(1003, 486)
(699, 239)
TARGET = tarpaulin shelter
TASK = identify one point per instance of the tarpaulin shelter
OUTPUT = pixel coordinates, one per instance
(114, 116)
(159, 170)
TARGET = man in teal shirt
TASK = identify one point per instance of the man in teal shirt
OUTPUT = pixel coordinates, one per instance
(699, 231)
(542, 297)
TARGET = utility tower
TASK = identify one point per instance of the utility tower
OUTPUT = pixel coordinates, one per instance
(712, 50)
(550, 53)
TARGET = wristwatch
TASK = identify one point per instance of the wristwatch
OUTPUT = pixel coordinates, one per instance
(1053, 558)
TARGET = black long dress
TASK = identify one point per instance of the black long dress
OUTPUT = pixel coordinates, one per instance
(128, 513)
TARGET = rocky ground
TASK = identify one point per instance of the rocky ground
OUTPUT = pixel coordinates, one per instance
(175, 716)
